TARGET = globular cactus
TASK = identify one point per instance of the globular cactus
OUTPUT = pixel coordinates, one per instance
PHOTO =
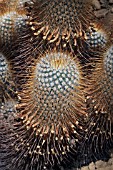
(97, 36)
(53, 25)
(5, 72)
(7, 115)
(8, 109)
(101, 79)
(100, 104)
(8, 89)
(51, 112)
(108, 71)
(12, 21)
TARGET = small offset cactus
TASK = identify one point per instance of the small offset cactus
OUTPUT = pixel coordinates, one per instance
(97, 36)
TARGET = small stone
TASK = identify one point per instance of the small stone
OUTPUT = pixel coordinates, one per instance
(102, 1)
(92, 166)
(85, 168)
(111, 1)
(110, 162)
(96, 3)
(101, 13)
(112, 9)
(100, 164)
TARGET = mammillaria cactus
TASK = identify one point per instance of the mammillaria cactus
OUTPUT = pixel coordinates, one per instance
(100, 104)
(59, 113)
(97, 36)
(7, 84)
(51, 112)
(12, 20)
(51, 24)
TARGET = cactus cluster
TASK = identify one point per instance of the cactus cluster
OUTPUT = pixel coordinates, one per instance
(56, 85)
